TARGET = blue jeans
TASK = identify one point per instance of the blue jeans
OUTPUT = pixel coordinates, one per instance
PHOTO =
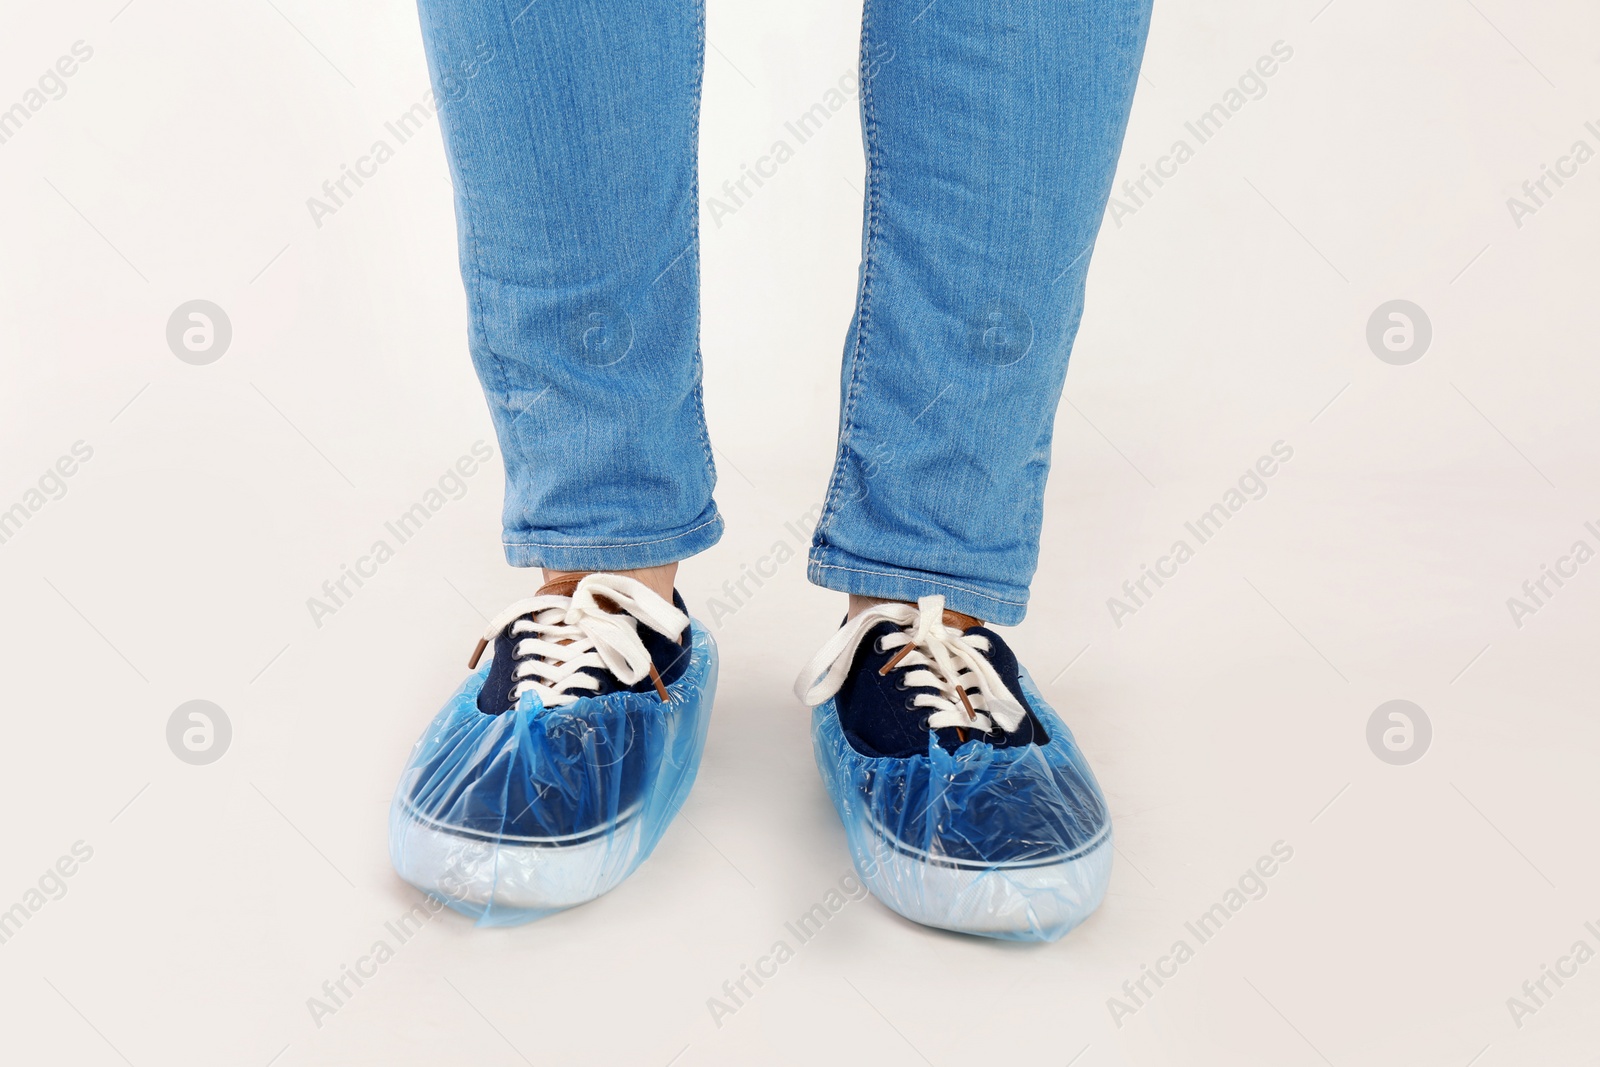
(992, 129)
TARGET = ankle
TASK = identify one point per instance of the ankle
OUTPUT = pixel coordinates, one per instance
(859, 603)
(658, 579)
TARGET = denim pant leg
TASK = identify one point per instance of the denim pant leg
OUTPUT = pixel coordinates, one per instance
(992, 132)
(571, 129)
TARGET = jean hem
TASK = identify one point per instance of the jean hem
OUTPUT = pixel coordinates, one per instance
(864, 578)
(574, 554)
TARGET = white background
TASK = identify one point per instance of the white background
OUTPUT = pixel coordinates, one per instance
(1229, 713)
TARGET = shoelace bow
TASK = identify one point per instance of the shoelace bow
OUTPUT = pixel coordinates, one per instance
(597, 627)
(970, 693)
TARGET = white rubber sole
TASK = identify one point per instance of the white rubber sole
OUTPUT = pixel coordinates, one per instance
(1028, 901)
(525, 873)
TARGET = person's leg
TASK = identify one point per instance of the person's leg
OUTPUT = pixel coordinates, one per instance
(992, 132)
(571, 130)
(554, 769)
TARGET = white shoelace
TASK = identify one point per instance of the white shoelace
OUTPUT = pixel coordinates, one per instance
(970, 693)
(560, 636)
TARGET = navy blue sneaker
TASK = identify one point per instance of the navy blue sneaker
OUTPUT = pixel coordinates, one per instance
(553, 771)
(967, 804)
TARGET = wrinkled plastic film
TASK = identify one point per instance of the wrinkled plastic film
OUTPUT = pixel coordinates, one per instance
(1012, 843)
(508, 818)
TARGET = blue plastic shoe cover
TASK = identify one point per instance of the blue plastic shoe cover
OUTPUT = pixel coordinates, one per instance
(1012, 843)
(511, 817)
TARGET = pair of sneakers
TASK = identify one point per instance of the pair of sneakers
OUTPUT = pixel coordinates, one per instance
(555, 768)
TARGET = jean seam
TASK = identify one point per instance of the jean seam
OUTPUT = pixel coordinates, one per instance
(479, 311)
(716, 517)
(694, 237)
(864, 303)
(926, 581)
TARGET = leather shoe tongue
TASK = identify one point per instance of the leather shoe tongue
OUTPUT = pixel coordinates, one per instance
(565, 585)
(960, 621)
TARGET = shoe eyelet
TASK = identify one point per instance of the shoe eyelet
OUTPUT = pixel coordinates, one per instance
(900, 683)
(877, 645)
(923, 725)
